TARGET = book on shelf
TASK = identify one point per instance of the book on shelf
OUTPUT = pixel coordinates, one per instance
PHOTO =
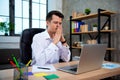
(76, 26)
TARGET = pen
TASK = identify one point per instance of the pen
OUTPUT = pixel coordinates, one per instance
(28, 63)
(16, 62)
(12, 63)
(43, 68)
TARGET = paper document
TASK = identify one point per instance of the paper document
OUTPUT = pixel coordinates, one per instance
(110, 65)
(45, 68)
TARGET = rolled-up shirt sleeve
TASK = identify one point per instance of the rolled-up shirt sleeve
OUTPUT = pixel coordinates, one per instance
(65, 54)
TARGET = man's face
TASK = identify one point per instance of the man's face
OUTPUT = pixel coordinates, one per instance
(54, 24)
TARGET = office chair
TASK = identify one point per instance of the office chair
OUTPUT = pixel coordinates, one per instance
(25, 43)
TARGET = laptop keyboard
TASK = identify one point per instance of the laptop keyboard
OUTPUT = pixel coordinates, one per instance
(74, 69)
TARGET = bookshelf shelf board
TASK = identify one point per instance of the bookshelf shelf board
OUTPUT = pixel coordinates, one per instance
(93, 32)
(74, 47)
(92, 15)
(111, 49)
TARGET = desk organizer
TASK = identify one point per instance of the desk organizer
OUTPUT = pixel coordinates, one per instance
(21, 73)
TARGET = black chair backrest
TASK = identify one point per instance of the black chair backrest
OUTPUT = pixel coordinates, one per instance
(25, 43)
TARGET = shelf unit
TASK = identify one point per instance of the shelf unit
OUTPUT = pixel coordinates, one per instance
(101, 12)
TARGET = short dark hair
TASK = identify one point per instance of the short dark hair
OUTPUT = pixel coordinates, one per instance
(57, 13)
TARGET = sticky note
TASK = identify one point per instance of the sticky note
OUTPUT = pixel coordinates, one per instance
(51, 76)
(40, 74)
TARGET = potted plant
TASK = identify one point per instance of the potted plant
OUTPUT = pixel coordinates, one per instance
(6, 27)
(87, 11)
(95, 27)
(106, 27)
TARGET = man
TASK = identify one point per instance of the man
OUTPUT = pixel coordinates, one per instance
(50, 46)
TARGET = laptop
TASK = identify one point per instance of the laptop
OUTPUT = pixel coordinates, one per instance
(91, 58)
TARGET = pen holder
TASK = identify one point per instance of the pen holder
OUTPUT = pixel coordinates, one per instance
(21, 73)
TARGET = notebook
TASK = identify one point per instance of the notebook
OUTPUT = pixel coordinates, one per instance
(91, 58)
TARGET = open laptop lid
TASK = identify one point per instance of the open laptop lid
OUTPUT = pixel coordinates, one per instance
(92, 57)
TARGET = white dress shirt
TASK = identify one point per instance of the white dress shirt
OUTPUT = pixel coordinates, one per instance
(44, 51)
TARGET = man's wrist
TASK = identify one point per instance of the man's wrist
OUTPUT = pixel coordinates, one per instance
(63, 41)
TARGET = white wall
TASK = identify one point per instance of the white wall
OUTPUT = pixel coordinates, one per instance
(55, 5)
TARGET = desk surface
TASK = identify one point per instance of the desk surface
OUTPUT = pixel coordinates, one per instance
(92, 75)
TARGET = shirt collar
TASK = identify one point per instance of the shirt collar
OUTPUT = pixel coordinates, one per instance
(47, 36)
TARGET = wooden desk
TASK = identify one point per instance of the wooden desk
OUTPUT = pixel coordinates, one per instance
(92, 75)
